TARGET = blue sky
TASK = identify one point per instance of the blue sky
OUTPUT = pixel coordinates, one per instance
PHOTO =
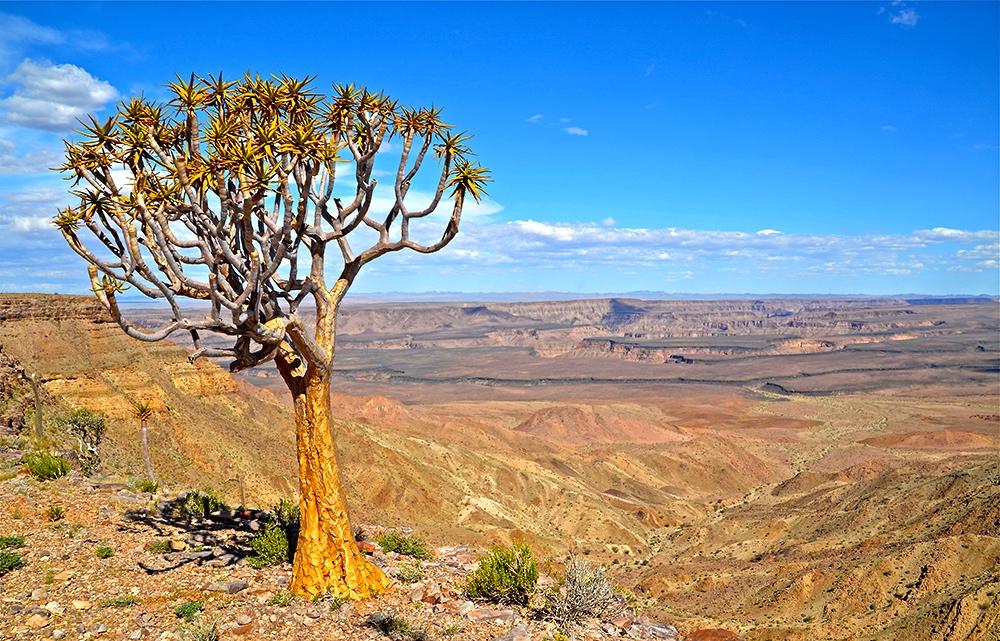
(840, 147)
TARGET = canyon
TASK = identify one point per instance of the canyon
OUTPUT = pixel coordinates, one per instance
(790, 468)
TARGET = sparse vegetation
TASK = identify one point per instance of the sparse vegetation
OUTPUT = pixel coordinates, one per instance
(104, 551)
(123, 601)
(197, 504)
(410, 571)
(281, 598)
(189, 610)
(11, 541)
(45, 466)
(88, 427)
(505, 576)
(414, 546)
(10, 561)
(55, 513)
(145, 485)
(158, 547)
(202, 630)
(586, 592)
(270, 547)
(286, 513)
(396, 627)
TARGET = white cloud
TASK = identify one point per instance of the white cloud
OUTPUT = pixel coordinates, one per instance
(650, 69)
(905, 18)
(575, 131)
(32, 162)
(889, 128)
(536, 118)
(580, 246)
(53, 97)
(19, 32)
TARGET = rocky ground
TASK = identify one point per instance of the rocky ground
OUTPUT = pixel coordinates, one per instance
(114, 566)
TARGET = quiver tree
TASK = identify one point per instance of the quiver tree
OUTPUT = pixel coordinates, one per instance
(246, 194)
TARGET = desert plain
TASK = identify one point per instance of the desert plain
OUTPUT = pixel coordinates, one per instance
(788, 468)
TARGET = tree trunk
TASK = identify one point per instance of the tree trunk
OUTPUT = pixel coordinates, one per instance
(145, 451)
(327, 559)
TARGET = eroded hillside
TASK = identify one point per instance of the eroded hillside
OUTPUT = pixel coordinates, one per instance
(726, 501)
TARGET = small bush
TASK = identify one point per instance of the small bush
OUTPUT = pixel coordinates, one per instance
(203, 631)
(45, 466)
(158, 547)
(189, 610)
(286, 513)
(49, 578)
(104, 551)
(10, 561)
(281, 598)
(408, 545)
(145, 485)
(586, 592)
(12, 541)
(200, 504)
(396, 627)
(124, 601)
(505, 576)
(270, 547)
(55, 513)
(410, 571)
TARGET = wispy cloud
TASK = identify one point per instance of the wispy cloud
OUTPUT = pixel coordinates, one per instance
(582, 246)
(889, 128)
(900, 14)
(905, 18)
(536, 118)
(575, 131)
(19, 33)
(53, 97)
(32, 162)
(650, 69)
(979, 147)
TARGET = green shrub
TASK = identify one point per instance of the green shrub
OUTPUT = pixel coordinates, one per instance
(124, 601)
(45, 466)
(55, 513)
(586, 593)
(408, 545)
(270, 547)
(189, 610)
(12, 541)
(145, 485)
(286, 513)
(200, 504)
(10, 561)
(158, 547)
(410, 571)
(281, 598)
(505, 576)
(104, 551)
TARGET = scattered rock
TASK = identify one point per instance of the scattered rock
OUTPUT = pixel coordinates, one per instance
(517, 633)
(494, 616)
(229, 587)
(243, 619)
(37, 621)
(177, 545)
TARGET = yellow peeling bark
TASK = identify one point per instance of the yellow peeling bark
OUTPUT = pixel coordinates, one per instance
(327, 560)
